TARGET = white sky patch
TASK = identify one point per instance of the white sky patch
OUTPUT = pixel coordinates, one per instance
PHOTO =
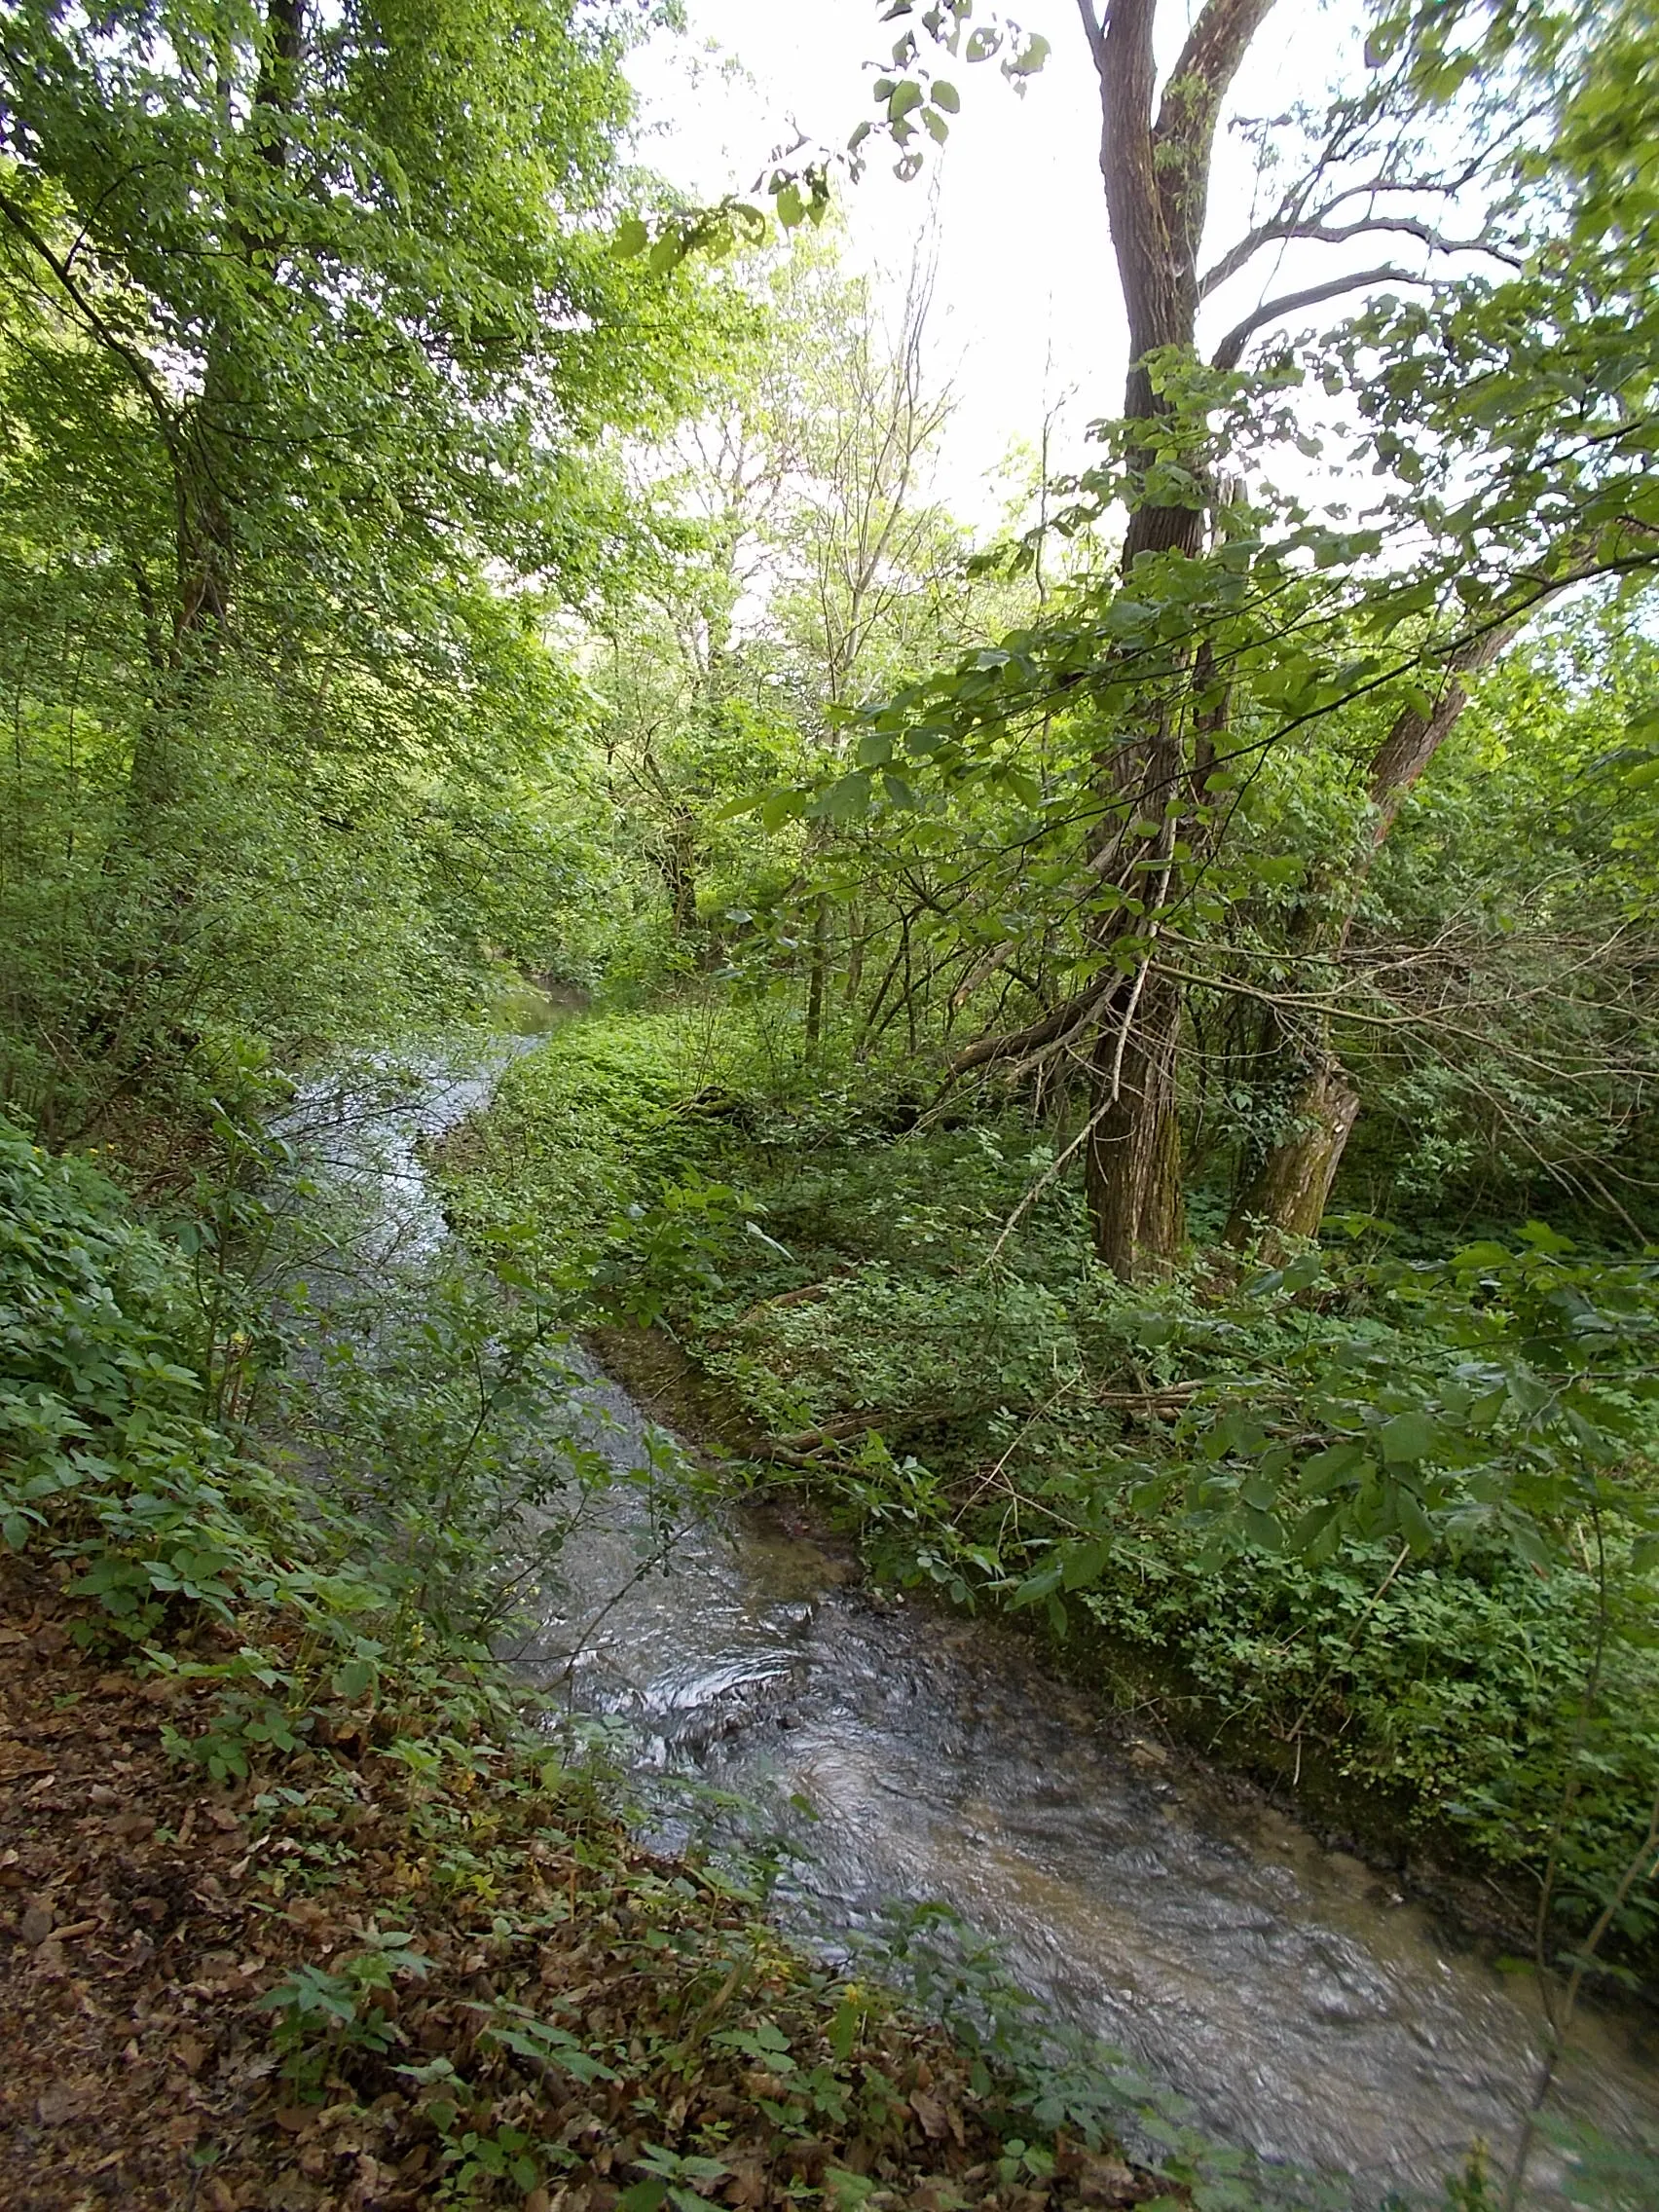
(1026, 307)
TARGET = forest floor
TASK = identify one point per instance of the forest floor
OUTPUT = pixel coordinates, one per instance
(486, 1993)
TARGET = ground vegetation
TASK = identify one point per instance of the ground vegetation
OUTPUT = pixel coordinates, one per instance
(1120, 1052)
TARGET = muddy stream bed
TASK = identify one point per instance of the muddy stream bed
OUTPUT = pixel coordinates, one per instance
(1301, 2004)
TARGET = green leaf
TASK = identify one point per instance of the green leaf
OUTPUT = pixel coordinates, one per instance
(1264, 1530)
(1334, 1468)
(1415, 1523)
(1084, 1563)
(1482, 1256)
(844, 2029)
(1408, 1438)
(1238, 1430)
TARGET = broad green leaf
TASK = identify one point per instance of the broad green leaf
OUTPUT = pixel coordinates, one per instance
(1406, 1438)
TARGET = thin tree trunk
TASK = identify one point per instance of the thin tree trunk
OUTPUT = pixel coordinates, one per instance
(818, 974)
(1289, 1189)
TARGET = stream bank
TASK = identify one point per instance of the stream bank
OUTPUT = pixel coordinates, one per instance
(1134, 1695)
(1305, 2007)
(298, 1910)
(1307, 2010)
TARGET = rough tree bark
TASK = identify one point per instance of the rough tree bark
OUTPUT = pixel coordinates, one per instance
(1132, 1163)
(1154, 164)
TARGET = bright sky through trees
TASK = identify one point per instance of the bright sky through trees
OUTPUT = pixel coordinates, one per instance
(1026, 307)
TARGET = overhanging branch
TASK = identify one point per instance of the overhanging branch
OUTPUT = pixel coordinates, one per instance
(1315, 231)
(1228, 353)
(96, 324)
(1048, 1031)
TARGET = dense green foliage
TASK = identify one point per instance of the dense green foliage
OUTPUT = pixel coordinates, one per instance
(138, 1412)
(1126, 1049)
(1386, 1518)
(309, 334)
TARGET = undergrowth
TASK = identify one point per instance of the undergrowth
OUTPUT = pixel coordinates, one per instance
(1381, 1520)
(500, 1989)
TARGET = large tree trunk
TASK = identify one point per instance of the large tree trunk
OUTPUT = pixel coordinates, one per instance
(1134, 1158)
(1156, 172)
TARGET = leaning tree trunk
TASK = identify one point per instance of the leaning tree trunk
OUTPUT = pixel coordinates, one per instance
(1291, 1188)
(1287, 1191)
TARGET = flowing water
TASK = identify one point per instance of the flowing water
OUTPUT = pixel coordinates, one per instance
(1303, 2005)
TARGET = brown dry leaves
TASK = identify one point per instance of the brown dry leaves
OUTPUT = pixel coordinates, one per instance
(144, 1911)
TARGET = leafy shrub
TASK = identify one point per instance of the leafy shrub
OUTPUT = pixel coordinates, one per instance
(104, 1444)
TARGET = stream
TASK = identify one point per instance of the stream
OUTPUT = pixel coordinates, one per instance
(1300, 2004)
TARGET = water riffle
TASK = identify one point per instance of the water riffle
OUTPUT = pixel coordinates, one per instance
(1304, 2006)
(1297, 1997)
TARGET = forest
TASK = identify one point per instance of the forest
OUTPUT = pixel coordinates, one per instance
(1088, 1071)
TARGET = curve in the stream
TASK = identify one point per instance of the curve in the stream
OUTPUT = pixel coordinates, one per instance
(1303, 2005)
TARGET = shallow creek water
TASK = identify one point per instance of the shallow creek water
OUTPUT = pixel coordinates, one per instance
(1290, 1993)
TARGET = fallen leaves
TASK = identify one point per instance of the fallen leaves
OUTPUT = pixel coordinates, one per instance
(152, 1916)
(63, 2101)
(17, 1761)
(191, 2052)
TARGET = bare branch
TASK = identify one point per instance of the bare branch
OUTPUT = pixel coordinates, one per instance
(1094, 30)
(1316, 231)
(1060, 1023)
(97, 324)
(1228, 353)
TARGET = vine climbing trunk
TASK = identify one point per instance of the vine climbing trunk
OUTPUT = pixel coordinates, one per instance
(1291, 1187)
